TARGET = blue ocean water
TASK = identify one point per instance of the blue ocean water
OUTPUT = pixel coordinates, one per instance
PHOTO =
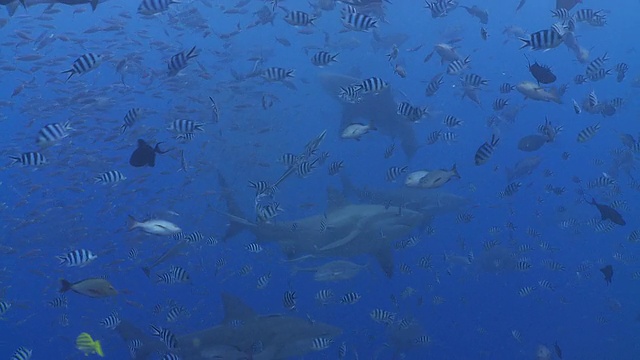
(473, 301)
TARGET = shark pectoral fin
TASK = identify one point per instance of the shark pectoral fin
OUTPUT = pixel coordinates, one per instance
(385, 259)
(343, 241)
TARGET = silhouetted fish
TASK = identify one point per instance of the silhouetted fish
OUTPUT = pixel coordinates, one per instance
(542, 73)
(532, 142)
(145, 155)
(607, 212)
(608, 273)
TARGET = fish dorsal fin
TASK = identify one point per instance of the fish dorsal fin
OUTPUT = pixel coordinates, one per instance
(236, 309)
(335, 199)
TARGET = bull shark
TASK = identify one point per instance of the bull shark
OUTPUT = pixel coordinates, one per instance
(13, 5)
(350, 229)
(379, 110)
(280, 336)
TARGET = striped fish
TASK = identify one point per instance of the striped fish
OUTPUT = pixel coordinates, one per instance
(254, 248)
(359, 22)
(350, 298)
(372, 85)
(588, 133)
(299, 18)
(321, 343)
(59, 302)
(485, 151)
(185, 126)
(434, 85)
(289, 300)
(457, 66)
(111, 322)
(542, 40)
(51, 133)
(80, 257)
(263, 281)
(83, 65)
(109, 177)
(153, 7)
(180, 61)
(395, 171)
(130, 118)
(29, 159)
(350, 94)
(335, 167)
(277, 74)
(323, 58)
(22, 353)
(167, 337)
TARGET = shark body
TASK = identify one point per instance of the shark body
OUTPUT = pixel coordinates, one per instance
(280, 336)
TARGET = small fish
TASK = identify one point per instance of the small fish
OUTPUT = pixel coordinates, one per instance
(395, 171)
(350, 298)
(277, 74)
(588, 133)
(485, 151)
(51, 133)
(145, 155)
(87, 345)
(130, 118)
(154, 226)
(80, 258)
(356, 130)
(153, 7)
(607, 271)
(91, 287)
(109, 177)
(542, 40)
(165, 335)
(185, 126)
(180, 61)
(29, 159)
(372, 85)
(323, 58)
(83, 64)
(321, 343)
(22, 353)
(111, 322)
(359, 22)
(289, 300)
(215, 116)
(299, 18)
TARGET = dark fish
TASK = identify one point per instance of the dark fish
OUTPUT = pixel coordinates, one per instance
(532, 142)
(558, 350)
(608, 273)
(145, 155)
(607, 212)
(542, 73)
(92, 287)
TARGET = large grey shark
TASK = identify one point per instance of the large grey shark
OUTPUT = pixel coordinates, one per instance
(13, 5)
(280, 336)
(379, 110)
(349, 229)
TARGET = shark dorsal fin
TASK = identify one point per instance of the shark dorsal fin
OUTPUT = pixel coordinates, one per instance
(335, 199)
(236, 309)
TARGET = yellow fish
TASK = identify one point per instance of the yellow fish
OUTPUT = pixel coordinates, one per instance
(85, 343)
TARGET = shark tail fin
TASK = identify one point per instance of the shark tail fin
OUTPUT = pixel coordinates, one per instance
(236, 309)
(238, 221)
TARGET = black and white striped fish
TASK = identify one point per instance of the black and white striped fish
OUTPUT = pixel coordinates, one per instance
(321, 343)
(289, 300)
(254, 248)
(350, 298)
(458, 66)
(167, 337)
(506, 88)
(412, 113)
(359, 22)
(277, 74)
(382, 316)
(80, 257)
(500, 103)
(194, 237)
(299, 18)
(111, 322)
(153, 7)
(588, 133)
(434, 85)
(306, 167)
(395, 171)
(440, 8)
(176, 312)
(451, 121)
(21, 353)
(335, 167)
(324, 296)
(59, 302)
(109, 177)
(542, 40)
(263, 281)
(596, 64)
(51, 133)
(185, 126)
(473, 80)
(372, 85)
(261, 187)
(180, 61)
(350, 94)
(323, 58)
(289, 159)
(29, 159)
(485, 151)
(130, 118)
(83, 65)
(179, 274)
(268, 212)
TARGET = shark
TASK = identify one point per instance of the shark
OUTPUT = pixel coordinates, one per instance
(238, 335)
(379, 110)
(343, 230)
(13, 5)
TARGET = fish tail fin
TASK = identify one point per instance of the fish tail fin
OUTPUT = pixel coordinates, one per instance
(64, 286)
(191, 54)
(16, 159)
(71, 72)
(147, 271)
(132, 223)
(454, 169)
(238, 221)
(525, 43)
(98, 348)
(94, 6)
(62, 259)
